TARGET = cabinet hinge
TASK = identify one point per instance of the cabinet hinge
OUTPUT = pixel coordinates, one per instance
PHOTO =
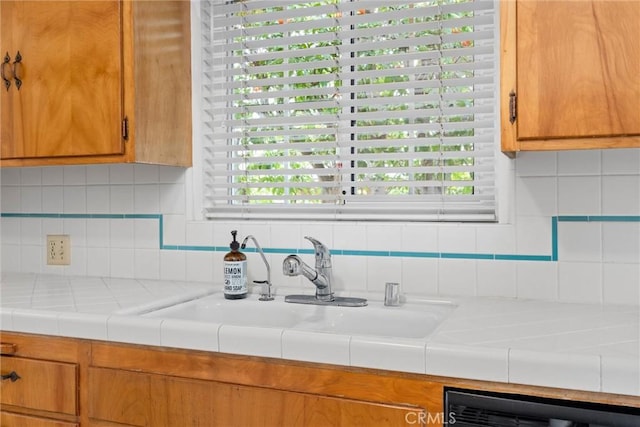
(125, 128)
(513, 107)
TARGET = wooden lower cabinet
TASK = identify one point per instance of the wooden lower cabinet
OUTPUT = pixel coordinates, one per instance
(82, 383)
(8, 419)
(140, 399)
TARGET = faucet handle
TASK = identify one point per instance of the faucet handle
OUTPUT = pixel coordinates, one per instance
(323, 256)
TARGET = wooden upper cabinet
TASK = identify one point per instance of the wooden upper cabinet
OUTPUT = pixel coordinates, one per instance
(101, 82)
(570, 74)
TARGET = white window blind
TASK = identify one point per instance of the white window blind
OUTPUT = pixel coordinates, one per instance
(349, 109)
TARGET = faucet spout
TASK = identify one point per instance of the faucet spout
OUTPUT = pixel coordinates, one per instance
(266, 289)
(320, 276)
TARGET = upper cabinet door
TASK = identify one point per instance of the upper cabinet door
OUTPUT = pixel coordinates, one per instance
(574, 68)
(67, 56)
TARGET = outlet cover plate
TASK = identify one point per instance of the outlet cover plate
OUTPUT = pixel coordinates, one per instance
(58, 249)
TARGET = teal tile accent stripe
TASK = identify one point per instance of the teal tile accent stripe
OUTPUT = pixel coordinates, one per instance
(348, 252)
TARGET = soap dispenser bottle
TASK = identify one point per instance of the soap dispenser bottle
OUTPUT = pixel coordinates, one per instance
(235, 271)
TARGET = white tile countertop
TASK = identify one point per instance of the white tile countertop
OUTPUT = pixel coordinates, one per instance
(566, 345)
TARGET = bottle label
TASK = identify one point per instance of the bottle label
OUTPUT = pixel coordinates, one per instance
(235, 277)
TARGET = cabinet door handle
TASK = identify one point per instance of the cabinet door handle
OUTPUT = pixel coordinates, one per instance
(13, 376)
(16, 62)
(5, 61)
(7, 348)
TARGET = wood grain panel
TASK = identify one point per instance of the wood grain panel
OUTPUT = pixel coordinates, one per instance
(43, 385)
(8, 419)
(578, 67)
(70, 100)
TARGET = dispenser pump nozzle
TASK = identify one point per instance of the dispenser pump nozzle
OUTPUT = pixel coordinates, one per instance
(234, 244)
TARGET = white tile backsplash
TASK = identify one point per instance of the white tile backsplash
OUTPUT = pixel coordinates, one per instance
(597, 261)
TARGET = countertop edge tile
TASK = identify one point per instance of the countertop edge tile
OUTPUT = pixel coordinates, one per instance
(564, 370)
(462, 361)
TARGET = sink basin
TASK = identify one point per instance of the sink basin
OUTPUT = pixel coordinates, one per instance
(410, 320)
(248, 312)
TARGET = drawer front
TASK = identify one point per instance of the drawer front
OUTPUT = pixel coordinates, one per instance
(39, 384)
(8, 419)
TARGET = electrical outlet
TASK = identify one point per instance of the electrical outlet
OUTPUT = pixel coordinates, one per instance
(58, 249)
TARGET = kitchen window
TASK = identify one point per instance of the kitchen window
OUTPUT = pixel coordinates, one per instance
(349, 109)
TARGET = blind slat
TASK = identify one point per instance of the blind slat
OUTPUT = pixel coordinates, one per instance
(342, 109)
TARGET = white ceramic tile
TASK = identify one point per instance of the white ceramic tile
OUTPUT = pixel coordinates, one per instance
(200, 233)
(98, 199)
(533, 235)
(98, 232)
(580, 241)
(171, 174)
(200, 267)
(536, 164)
(580, 282)
(621, 161)
(248, 340)
(52, 199)
(621, 242)
(11, 199)
(620, 283)
(10, 259)
(172, 199)
(349, 272)
(53, 175)
(496, 239)
(146, 174)
(31, 199)
(74, 175)
(146, 199)
(97, 261)
(6, 319)
(350, 236)
(173, 265)
(461, 361)
(579, 195)
(537, 280)
(29, 176)
(33, 258)
(121, 173)
(83, 325)
(146, 234)
(192, 335)
(12, 176)
(31, 231)
(146, 264)
(420, 276)
(457, 277)
(536, 196)
(381, 270)
(621, 375)
(78, 266)
(97, 174)
(621, 195)
(121, 233)
(175, 230)
(564, 370)
(579, 162)
(384, 237)
(316, 347)
(121, 199)
(35, 321)
(399, 355)
(496, 278)
(52, 226)
(121, 262)
(457, 238)
(135, 330)
(77, 229)
(420, 237)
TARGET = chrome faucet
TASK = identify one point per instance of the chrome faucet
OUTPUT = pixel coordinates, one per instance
(320, 277)
(265, 295)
